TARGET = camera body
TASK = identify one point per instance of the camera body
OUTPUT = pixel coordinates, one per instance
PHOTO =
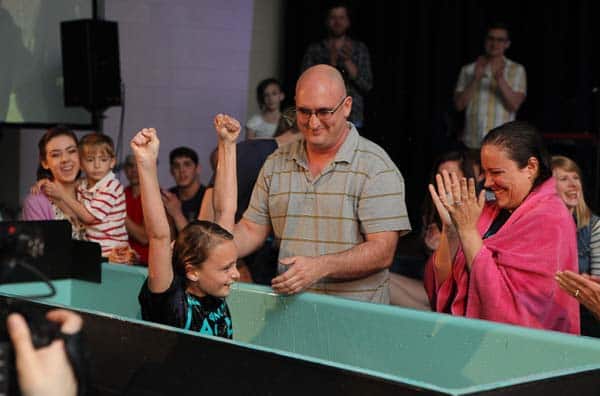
(43, 332)
(34, 251)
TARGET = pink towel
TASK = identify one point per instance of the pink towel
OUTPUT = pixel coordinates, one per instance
(512, 276)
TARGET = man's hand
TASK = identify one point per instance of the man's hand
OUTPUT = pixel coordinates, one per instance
(346, 57)
(171, 202)
(333, 53)
(346, 50)
(145, 146)
(480, 65)
(302, 273)
(228, 128)
(498, 69)
(45, 371)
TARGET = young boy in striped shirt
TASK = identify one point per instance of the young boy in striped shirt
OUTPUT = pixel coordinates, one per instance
(102, 196)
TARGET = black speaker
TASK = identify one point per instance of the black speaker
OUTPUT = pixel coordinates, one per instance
(91, 68)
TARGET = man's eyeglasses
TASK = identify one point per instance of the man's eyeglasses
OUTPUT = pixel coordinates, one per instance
(497, 39)
(304, 114)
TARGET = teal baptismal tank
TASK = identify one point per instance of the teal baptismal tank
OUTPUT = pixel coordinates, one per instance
(392, 349)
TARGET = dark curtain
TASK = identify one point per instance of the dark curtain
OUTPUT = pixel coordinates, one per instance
(417, 49)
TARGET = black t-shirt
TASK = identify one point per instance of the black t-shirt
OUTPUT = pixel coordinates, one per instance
(498, 222)
(191, 207)
(251, 155)
(174, 307)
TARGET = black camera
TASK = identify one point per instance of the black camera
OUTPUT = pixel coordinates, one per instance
(43, 332)
(33, 251)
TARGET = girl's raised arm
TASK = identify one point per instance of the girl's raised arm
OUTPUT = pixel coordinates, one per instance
(145, 146)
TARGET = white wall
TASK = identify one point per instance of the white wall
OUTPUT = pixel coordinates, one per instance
(182, 62)
(267, 47)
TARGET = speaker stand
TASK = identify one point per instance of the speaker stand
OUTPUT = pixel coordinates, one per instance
(596, 184)
(97, 119)
(596, 128)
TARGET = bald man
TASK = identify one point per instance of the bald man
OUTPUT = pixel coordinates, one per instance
(333, 199)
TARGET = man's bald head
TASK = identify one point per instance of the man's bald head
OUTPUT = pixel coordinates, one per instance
(325, 76)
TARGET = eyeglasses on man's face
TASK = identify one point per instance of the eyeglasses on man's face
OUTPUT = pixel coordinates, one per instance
(496, 39)
(304, 114)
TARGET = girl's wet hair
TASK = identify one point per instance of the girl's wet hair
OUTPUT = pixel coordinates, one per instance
(194, 243)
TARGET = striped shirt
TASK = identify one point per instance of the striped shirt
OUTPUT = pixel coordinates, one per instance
(594, 247)
(486, 109)
(106, 202)
(360, 192)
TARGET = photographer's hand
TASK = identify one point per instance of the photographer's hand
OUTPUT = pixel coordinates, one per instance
(45, 371)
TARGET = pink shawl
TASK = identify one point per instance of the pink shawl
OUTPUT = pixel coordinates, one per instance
(512, 276)
(37, 207)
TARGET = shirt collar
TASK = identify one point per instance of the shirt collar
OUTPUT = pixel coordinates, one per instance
(101, 183)
(344, 154)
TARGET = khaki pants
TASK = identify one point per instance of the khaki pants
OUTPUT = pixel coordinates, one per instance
(408, 292)
(356, 290)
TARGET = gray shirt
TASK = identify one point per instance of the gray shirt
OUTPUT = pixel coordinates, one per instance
(360, 192)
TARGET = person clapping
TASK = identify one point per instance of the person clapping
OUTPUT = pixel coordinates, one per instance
(497, 260)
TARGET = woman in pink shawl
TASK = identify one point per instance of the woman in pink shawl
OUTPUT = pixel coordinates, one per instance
(497, 260)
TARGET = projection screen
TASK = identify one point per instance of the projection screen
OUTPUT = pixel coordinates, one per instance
(31, 82)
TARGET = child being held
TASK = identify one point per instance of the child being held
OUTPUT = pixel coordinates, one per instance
(186, 285)
(100, 203)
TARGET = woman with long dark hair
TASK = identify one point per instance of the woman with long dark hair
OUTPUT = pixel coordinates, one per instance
(59, 163)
